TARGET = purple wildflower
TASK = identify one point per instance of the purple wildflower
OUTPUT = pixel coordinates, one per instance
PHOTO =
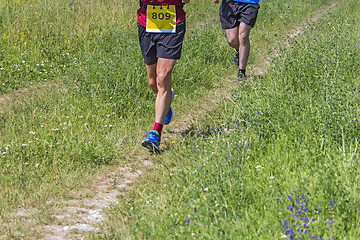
(187, 221)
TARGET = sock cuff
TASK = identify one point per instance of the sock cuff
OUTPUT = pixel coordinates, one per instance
(158, 127)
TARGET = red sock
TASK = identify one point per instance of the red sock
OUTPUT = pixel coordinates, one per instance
(158, 127)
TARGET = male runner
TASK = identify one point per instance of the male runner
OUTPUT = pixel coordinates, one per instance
(238, 17)
(161, 30)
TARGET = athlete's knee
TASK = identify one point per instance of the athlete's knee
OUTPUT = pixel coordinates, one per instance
(162, 76)
(152, 83)
(244, 35)
(153, 86)
(162, 81)
(233, 42)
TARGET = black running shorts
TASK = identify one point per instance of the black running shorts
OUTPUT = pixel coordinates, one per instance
(232, 13)
(161, 45)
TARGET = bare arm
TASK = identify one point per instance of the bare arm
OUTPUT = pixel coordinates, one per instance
(185, 1)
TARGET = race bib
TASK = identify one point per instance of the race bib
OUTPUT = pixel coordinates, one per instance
(161, 19)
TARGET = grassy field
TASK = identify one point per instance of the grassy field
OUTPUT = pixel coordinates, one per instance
(277, 158)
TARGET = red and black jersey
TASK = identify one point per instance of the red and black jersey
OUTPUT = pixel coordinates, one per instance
(180, 13)
(162, 2)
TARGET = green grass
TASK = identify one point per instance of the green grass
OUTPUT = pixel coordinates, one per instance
(53, 143)
(290, 139)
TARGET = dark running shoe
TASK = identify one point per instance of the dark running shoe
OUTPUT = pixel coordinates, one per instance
(241, 77)
(236, 58)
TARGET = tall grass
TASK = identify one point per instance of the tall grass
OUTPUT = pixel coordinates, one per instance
(41, 39)
(279, 159)
(54, 142)
(63, 131)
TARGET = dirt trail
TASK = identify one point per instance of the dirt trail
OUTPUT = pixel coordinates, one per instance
(81, 216)
(77, 218)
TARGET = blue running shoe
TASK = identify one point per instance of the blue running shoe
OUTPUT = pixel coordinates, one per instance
(170, 114)
(152, 141)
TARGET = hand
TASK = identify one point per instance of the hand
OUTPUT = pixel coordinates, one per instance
(216, 1)
(185, 1)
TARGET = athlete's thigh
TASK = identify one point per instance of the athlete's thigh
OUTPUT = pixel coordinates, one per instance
(228, 15)
(151, 72)
(147, 45)
(248, 13)
(232, 34)
(169, 45)
(164, 67)
(244, 29)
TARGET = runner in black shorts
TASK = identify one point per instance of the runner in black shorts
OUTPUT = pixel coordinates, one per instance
(161, 30)
(161, 45)
(237, 17)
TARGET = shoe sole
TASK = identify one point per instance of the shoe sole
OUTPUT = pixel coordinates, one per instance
(149, 145)
(172, 115)
(241, 80)
(236, 60)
